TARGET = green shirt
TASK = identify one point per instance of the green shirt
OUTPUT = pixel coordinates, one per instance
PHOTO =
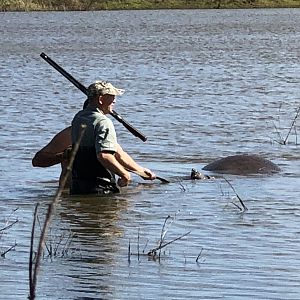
(100, 135)
(100, 132)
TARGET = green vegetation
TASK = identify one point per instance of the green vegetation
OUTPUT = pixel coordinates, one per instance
(44, 5)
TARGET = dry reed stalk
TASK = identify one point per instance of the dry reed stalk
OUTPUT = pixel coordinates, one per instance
(154, 251)
(31, 291)
(8, 250)
(163, 233)
(138, 245)
(129, 252)
(199, 255)
(244, 208)
(8, 225)
(292, 125)
(51, 208)
(282, 141)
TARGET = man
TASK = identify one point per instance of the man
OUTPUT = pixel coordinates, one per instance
(100, 157)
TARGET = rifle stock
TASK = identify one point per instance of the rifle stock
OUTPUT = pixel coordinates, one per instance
(81, 87)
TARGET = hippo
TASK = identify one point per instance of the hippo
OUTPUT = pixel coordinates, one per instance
(242, 164)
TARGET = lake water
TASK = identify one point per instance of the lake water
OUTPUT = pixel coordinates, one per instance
(200, 84)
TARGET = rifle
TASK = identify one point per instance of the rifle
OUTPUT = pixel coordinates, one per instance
(80, 86)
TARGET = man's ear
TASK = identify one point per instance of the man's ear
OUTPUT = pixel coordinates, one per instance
(100, 99)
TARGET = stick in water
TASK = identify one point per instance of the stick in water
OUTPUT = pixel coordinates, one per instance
(146, 176)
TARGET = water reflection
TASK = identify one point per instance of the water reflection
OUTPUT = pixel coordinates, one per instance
(93, 216)
(94, 222)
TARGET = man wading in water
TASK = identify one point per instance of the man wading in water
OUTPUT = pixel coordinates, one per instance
(99, 157)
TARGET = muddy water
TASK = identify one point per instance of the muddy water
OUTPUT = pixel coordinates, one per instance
(200, 85)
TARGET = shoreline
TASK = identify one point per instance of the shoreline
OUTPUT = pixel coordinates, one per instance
(81, 5)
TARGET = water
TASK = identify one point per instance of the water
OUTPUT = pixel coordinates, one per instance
(200, 84)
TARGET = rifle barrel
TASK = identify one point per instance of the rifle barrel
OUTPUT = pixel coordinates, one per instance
(81, 87)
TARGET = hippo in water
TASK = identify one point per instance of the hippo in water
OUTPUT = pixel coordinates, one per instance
(242, 164)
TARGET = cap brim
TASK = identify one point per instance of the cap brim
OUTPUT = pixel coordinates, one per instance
(119, 92)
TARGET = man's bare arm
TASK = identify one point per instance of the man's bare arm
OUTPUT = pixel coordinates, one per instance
(109, 161)
(128, 163)
(53, 152)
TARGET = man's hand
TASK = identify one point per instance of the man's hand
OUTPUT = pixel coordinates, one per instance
(124, 180)
(149, 173)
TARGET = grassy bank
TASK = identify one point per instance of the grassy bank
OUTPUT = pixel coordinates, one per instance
(44, 5)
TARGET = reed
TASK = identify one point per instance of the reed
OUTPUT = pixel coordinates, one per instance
(284, 141)
(8, 224)
(155, 253)
(199, 256)
(243, 208)
(56, 245)
(162, 244)
(34, 266)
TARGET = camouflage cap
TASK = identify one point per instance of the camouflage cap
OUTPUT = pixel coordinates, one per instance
(102, 88)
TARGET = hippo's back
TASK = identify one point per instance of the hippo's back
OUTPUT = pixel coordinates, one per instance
(243, 164)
